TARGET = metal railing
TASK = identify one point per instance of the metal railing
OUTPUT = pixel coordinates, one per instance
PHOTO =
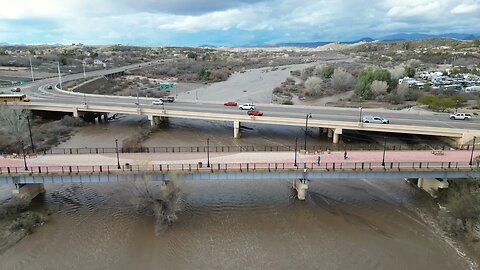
(246, 148)
(240, 167)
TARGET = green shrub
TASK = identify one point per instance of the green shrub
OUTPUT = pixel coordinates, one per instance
(327, 72)
(363, 88)
(435, 102)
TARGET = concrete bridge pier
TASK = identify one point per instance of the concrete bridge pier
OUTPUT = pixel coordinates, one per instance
(28, 191)
(336, 135)
(155, 120)
(76, 113)
(431, 185)
(236, 129)
(301, 186)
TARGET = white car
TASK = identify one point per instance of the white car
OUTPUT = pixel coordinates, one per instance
(375, 119)
(157, 102)
(460, 116)
(247, 106)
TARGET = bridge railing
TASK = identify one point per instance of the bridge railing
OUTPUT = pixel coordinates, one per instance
(239, 167)
(246, 148)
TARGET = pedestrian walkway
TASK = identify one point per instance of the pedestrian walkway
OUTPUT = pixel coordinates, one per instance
(240, 157)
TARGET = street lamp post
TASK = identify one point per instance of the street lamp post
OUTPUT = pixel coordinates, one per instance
(208, 152)
(384, 148)
(138, 99)
(473, 149)
(295, 163)
(116, 149)
(309, 115)
(84, 99)
(360, 118)
(29, 131)
(456, 105)
(24, 158)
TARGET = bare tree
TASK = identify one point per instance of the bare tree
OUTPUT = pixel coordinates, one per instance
(414, 63)
(13, 120)
(379, 87)
(13, 123)
(342, 80)
(160, 199)
(397, 72)
(313, 86)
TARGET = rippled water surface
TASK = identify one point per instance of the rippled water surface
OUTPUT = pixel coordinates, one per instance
(343, 224)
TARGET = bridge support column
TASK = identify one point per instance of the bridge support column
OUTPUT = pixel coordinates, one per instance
(431, 185)
(301, 187)
(336, 135)
(236, 129)
(154, 120)
(28, 191)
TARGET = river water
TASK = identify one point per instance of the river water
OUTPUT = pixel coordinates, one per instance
(343, 224)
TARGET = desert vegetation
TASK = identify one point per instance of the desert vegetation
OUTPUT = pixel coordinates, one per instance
(461, 216)
(45, 133)
(16, 221)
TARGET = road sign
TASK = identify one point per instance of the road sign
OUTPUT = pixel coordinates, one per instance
(166, 86)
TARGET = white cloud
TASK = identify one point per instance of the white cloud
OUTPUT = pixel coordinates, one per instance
(128, 21)
(465, 8)
(417, 9)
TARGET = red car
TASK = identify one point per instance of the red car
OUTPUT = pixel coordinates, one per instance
(230, 103)
(255, 113)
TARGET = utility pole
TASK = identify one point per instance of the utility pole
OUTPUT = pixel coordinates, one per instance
(384, 148)
(208, 152)
(84, 75)
(24, 158)
(295, 163)
(473, 149)
(30, 131)
(59, 75)
(31, 67)
(84, 99)
(360, 119)
(309, 115)
(116, 148)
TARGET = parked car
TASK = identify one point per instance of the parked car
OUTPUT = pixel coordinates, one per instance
(167, 99)
(247, 106)
(255, 113)
(375, 119)
(157, 102)
(460, 116)
(230, 103)
(16, 89)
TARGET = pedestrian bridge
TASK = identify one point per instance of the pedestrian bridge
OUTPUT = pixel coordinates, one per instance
(238, 171)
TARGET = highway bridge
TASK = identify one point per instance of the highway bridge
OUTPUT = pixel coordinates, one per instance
(332, 121)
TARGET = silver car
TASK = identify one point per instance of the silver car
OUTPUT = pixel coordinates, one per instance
(375, 119)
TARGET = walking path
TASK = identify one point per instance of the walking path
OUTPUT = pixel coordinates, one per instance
(240, 157)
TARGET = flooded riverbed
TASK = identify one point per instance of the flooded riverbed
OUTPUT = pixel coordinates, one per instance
(343, 224)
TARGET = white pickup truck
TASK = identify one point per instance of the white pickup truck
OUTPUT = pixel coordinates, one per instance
(460, 116)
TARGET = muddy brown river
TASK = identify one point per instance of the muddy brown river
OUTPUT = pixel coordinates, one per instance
(342, 224)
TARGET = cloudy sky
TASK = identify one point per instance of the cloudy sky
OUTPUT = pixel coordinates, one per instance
(228, 22)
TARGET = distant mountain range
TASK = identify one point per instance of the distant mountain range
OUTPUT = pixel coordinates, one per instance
(313, 44)
(393, 37)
